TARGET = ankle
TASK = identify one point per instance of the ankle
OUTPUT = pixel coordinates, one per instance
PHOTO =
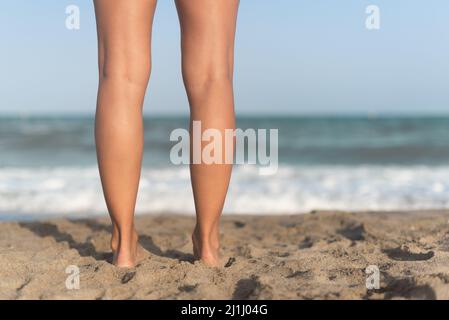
(125, 241)
(204, 242)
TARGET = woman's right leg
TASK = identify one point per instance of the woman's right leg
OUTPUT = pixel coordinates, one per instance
(207, 42)
(124, 47)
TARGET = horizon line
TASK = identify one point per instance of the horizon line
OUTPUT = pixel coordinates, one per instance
(372, 115)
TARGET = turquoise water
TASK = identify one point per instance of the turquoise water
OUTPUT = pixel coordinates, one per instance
(29, 142)
(48, 166)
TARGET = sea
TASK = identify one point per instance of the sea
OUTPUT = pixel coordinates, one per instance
(48, 167)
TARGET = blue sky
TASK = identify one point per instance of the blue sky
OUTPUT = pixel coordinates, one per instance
(292, 56)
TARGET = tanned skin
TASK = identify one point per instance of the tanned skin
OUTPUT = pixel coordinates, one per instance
(124, 30)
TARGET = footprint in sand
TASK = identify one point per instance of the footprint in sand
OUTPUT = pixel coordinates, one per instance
(405, 254)
(354, 232)
(239, 224)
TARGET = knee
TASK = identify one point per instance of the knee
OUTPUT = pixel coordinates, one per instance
(202, 78)
(126, 69)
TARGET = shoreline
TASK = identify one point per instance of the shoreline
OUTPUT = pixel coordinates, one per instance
(33, 217)
(320, 255)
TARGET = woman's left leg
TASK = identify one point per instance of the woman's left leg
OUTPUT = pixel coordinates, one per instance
(124, 43)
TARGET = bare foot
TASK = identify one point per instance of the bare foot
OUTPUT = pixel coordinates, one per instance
(206, 250)
(131, 256)
(142, 253)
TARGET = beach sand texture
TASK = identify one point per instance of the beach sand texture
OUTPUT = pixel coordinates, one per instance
(322, 255)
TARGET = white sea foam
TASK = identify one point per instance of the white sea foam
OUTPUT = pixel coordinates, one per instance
(293, 189)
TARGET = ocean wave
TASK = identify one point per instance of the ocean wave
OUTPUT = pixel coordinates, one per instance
(293, 189)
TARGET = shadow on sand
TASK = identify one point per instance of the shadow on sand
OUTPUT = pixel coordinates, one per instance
(145, 240)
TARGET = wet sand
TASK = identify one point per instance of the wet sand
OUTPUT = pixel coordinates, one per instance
(321, 255)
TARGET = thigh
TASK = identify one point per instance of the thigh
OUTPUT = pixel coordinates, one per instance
(124, 35)
(207, 32)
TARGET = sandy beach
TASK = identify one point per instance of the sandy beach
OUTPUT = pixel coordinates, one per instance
(321, 255)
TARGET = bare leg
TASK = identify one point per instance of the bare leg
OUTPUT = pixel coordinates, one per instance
(207, 40)
(124, 46)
